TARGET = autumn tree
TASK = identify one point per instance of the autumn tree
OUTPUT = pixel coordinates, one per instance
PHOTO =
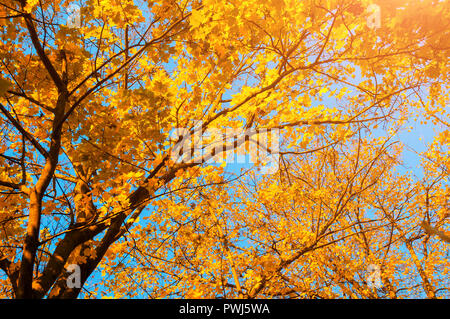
(91, 92)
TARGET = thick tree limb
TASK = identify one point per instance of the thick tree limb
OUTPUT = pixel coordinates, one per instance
(36, 194)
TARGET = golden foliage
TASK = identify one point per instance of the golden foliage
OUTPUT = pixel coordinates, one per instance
(87, 176)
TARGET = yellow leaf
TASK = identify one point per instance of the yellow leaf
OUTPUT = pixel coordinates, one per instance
(30, 5)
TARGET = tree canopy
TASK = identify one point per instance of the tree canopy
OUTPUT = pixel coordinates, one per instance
(91, 93)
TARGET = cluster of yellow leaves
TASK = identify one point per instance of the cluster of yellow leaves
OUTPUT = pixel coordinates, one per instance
(313, 68)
